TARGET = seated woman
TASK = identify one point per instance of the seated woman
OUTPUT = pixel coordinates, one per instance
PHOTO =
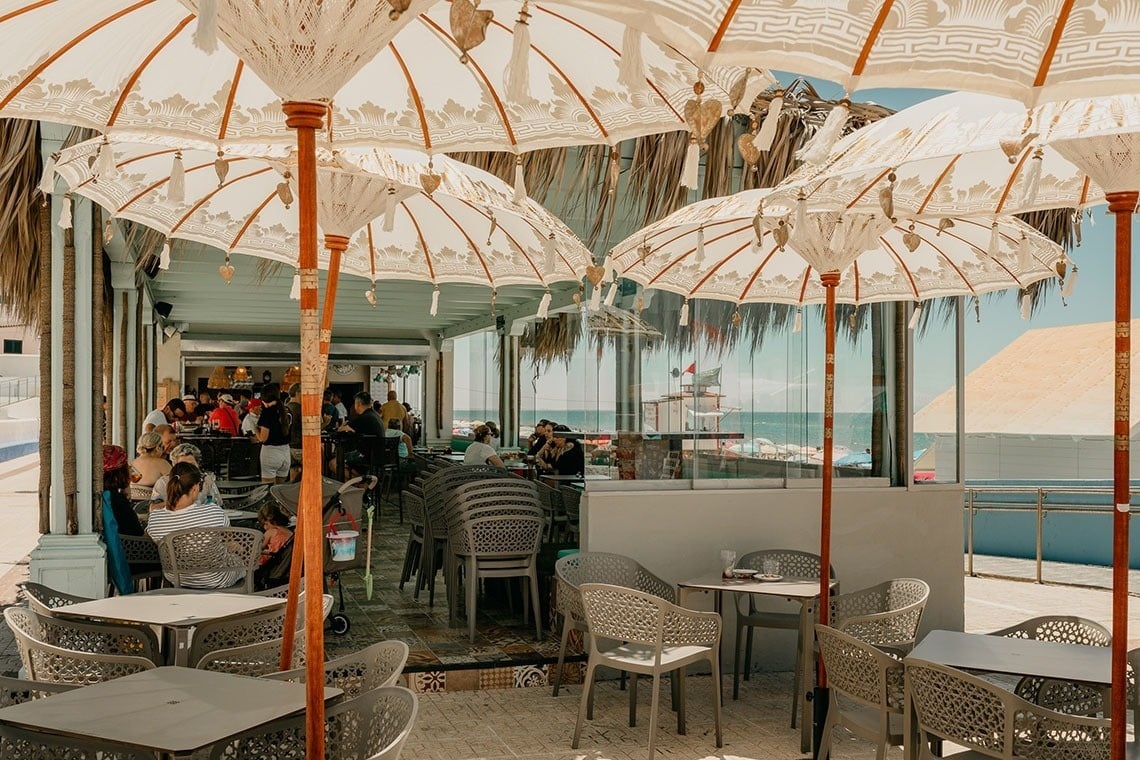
(187, 452)
(183, 510)
(562, 456)
(116, 479)
(149, 465)
(481, 451)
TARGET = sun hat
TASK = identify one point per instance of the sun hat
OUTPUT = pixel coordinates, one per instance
(226, 398)
(114, 457)
(148, 442)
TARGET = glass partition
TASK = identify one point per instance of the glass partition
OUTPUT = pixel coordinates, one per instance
(476, 381)
(936, 393)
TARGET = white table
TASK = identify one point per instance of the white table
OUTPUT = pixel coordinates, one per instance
(177, 612)
(999, 654)
(174, 711)
(802, 590)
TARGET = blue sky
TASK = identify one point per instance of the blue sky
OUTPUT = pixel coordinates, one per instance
(787, 374)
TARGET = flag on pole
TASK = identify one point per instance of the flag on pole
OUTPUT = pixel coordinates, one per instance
(691, 369)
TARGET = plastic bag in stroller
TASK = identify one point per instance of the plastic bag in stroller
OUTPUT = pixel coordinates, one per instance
(341, 519)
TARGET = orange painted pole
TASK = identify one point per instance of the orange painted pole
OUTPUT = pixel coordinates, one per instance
(830, 281)
(1122, 204)
(336, 245)
(307, 118)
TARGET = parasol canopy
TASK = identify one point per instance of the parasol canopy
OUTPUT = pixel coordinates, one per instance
(124, 65)
(1034, 52)
(903, 264)
(448, 237)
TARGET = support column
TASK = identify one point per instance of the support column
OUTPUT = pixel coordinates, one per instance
(125, 352)
(148, 334)
(72, 563)
(444, 407)
(510, 401)
(627, 403)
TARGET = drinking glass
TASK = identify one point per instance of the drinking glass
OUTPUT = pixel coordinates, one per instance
(727, 562)
(771, 567)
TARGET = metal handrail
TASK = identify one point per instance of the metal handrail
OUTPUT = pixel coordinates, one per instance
(1041, 494)
(16, 389)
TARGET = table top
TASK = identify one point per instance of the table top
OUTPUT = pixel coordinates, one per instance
(237, 485)
(800, 588)
(1022, 657)
(170, 709)
(239, 514)
(173, 610)
(574, 478)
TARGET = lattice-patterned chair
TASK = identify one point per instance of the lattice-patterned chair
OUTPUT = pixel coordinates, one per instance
(259, 627)
(142, 558)
(44, 600)
(989, 721)
(22, 744)
(749, 614)
(498, 546)
(58, 664)
(188, 554)
(866, 691)
(596, 567)
(381, 664)
(655, 637)
(1064, 696)
(572, 506)
(886, 615)
(255, 657)
(413, 554)
(17, 691)
(371, 726)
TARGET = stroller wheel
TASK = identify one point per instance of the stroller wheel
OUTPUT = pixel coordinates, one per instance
(339, 624)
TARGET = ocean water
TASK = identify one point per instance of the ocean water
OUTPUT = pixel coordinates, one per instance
(852, 429)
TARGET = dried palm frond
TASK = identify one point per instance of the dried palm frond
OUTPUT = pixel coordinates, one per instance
(19, 218)
(549, 340)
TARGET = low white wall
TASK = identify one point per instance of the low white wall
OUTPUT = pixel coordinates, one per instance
(877, 533)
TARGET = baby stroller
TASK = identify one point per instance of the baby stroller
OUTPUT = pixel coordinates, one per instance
(342, 511)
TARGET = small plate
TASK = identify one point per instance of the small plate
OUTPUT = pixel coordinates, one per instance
(744, 572)
(767, 577)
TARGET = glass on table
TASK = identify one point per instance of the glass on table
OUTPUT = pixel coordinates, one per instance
(727, 562)
(770, 567)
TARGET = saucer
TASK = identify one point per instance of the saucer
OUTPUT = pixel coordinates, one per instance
(767, 577)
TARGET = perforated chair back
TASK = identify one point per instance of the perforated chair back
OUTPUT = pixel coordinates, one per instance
(44, 600)
(22, 744)
(191, 556)
(16, 691)
(886, 615)
(380, 664)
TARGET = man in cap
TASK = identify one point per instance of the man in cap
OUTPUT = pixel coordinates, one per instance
(224, 419)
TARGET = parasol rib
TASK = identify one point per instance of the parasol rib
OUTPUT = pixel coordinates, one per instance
(1054, 41)
(138, 72)
(415, 93)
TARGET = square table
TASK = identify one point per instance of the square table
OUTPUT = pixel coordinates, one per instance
(802, 590)
(1000, 654)
(169, 710)
(179, 612)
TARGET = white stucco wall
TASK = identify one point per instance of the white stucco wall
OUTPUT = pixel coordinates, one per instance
(877, 534)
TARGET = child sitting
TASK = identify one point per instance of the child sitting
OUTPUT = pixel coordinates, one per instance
(275, 525)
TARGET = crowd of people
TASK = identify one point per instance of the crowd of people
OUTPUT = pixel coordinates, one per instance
(549, 447)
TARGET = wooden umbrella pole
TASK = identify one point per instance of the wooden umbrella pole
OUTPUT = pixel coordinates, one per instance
(830, 281)
(307, 118)
(1122, 204)
(336, 245)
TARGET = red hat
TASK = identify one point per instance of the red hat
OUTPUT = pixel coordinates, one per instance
(114, 458)
(254, 404)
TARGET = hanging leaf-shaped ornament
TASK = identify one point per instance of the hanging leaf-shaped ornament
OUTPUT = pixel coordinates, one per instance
(370, 295)
(747, 146)
(911, 239)
(221, 168)
(736, 320)
(430, 181)
(399, 7)
(639, 304)
(944, 224)
(887, 197)
(494, 225)
(643, 251)
(782, 233)
(1012, 146)
(285, 190)
(701, 115)
(468, 26)
(226, 270)
(595, 274)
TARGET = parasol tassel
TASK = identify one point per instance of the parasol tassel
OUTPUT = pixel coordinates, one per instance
(615, 171)
(1070, 283)
(47, 179)
(516, 78)
(758, 228)
(887, 197)
(206, 32)
(551, 253)
(611, 294)
(1024, 254)
(596, 297)
(65, 213)
(390, 209)
(1033, 178)
(798, 326)
(609, 272)
(295, 291)
(434, 302)
(684, 320)
(767, 132)
(1026, 304)
(817, 151)
(915, 316)
(1078, 218)
(544, 305)
(801, 214)
(699, 255)
(520, 181)
(631, 67)
(692, 164)
(370, 295)
(494, 225)
(176, 189)
(108, 232)
(994, 249)
(164, 256)
(104, 161)
(754, 84)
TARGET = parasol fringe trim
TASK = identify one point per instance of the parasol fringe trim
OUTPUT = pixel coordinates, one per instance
(915, 316)
(767, 132)
(434, 302)
(699, 255)
(596, 297)
(516, 77)
(164, 256)
(544, 306)
(799, 323)
(65, 213)
(755, 84)
(818, 150)
(295, 291)
(1026, 304)
(390, 209)
(46, 184)
(684, 319)
(520, 181)
(1070, 283)
(611, 295)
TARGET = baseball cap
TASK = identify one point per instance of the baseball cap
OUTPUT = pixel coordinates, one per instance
(254, 405)
(226, 398)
